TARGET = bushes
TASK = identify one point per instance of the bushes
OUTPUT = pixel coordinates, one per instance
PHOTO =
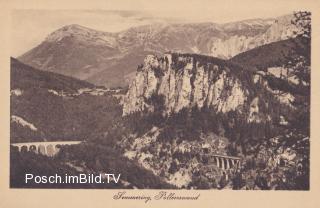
(92, 157)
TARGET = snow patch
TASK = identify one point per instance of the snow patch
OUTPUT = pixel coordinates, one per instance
(96, 91)
(60, 94)
(286, 98)
(89, 91)
(283, 121)
(23, 122)
(16, 92)
(254, 111)
(195, 49)
(284, 73)
(180, 178)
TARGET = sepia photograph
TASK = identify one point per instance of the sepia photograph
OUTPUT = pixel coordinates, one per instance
(139, 99)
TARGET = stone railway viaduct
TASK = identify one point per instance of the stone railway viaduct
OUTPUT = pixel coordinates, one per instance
(45, 148)
(50, 149)
(226, 162)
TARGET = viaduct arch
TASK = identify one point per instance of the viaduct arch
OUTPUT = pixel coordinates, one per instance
(45, 148)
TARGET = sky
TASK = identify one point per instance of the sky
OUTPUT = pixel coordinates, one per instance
(30, 27)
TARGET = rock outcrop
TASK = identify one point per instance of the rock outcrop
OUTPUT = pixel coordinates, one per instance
(185, 81)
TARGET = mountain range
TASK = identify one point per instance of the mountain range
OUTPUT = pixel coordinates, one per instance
(111, 59)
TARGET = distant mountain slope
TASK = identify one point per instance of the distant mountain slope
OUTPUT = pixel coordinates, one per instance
(47, 106)
(272, 55)
(73, 50)
(24, 76)
(107, 58)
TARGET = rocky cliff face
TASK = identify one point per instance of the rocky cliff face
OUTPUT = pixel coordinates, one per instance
(246, 35)
(185, 81)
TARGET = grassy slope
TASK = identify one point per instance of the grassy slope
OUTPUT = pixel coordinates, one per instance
(57, 118)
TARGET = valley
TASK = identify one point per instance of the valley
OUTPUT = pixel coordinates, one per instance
(178, 106)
